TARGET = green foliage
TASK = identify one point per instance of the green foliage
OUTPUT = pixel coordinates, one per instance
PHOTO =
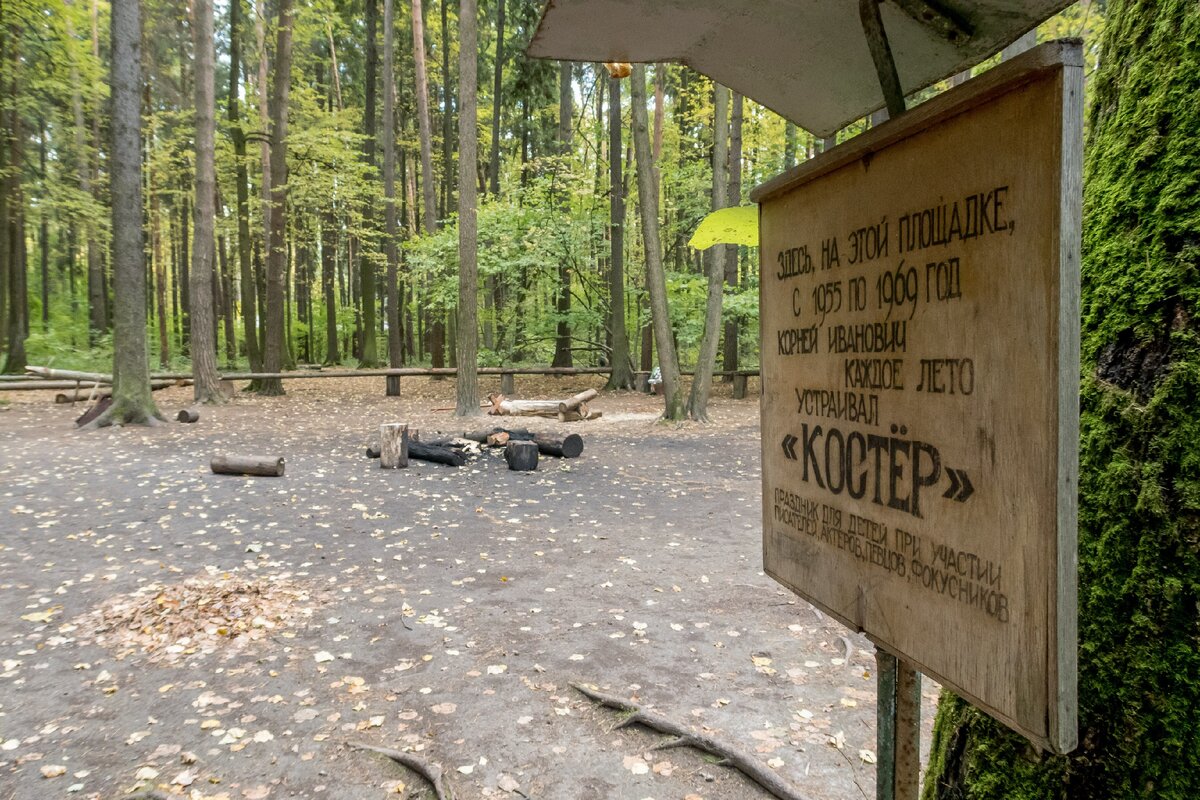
(1139, 464)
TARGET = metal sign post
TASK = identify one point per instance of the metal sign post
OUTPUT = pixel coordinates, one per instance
(897, 728)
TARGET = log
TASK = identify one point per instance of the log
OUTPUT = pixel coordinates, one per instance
(569, 446)
(521, 455)
(96, 410)
(188, 415)
(437, 453)
(573, 403)
(62, 399)
(393, 445)
(69, 374)
(266, 466)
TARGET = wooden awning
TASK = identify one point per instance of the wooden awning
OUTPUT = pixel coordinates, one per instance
(808, 60)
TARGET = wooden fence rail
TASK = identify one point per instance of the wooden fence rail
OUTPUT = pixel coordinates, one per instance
(86, 380)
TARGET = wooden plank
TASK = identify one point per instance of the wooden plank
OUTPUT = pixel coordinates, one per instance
(920, 360)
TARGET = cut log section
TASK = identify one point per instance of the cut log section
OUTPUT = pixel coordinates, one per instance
(521, 455)
(188, 415)
(576, 402)
(569, 446)
(267, 466)
(393, 445)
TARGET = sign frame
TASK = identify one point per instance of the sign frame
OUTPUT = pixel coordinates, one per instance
(1056, 729)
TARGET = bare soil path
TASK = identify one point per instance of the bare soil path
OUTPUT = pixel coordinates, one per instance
(166, 629)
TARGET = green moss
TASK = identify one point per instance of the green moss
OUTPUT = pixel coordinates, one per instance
(1139, 582)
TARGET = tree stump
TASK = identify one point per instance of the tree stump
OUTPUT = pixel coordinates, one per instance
(393, 445)
(266, 466)
(641, 382)
(521, 455)
(507, 384)
(739, 385)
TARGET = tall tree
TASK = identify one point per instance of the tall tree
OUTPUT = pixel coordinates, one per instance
(277, 254)
(1139, 477)
(497, 95)
(714, 263)
(14, 220)
(391, 229)
(656, 280)
(621, 376)
(133, 402)
(447, 111)
(467, 340)
(238, 135)
(97, 298)
(369, 354)
(425, 135)
(206, 386)
(729, 359)
(562, 305)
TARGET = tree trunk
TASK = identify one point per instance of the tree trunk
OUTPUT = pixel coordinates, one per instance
(204, 346)
(264, 145)
(160, 281)
(790, 135)
(621, 376)
(273, 354)
(715, 256)
(447, 112)
(391, 229)
(562, 305)
(1139, 667)
(97, 301)
(185, 272)
(368, 349)
(44, 233)
(467, 341)
(656, 280)
(428, 188)
(497, 94)
(329, 286)
(729, 360)
(132, 398)
(424, 130)
(223, 287)
(245, 271)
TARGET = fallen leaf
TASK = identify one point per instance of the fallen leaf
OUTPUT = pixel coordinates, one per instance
(444, 708)
(635, 764)
(53, 770)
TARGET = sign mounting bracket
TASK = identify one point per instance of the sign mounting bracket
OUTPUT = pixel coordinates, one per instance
(881, 54)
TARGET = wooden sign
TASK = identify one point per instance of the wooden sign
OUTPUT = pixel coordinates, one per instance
(920, 363)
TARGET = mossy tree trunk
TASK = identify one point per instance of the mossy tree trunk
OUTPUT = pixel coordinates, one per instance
(1139, 553)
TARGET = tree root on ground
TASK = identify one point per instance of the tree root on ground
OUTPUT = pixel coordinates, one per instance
(728, 755)
(431, 772)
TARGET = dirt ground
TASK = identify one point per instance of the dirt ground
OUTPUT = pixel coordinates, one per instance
(164, 629)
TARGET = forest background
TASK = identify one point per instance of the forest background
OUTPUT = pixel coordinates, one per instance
(372, 121)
